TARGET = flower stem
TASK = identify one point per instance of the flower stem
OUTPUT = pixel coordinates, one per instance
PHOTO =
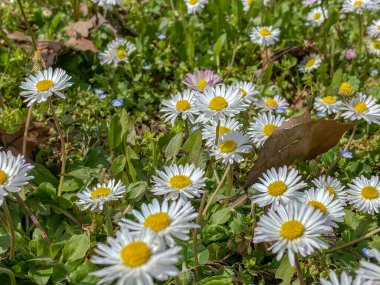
(61, 134)
(299, 271)
(352, 135)
(11, 229)
(360, 42)
(9, 273)
(34, 45)
(195, 233)
(230, 181)
(27, 124)
(368, 235)
(107, 214)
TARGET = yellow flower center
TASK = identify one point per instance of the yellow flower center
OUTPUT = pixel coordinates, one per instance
(218, 103)
(346, 89)
(265, 32)
(271, 103)
(358, 3)
(376, 44)
(157, 222)
(243, 92)
(329, 100)
(292, 229)
(317, 205)
(331, 191)
(378, 27)
(249, 2)
(44, 85)
(101, 191)
(135, 254)
(227, 146)
(317, 16)
(121, 53)
(370, 192)
(3, 177)
(182, 105)
(310, 63)
(202, 84)
(277, 188)
(179, 181)
(223, 130)
(360, 107)
(193, 2)
(268, 129)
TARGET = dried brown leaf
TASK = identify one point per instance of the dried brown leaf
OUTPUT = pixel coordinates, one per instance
(80, 28)
(81, 44)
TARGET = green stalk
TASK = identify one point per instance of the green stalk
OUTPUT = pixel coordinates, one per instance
(10, 274)
(34, 45)
(11, 229)
(230, 183)
(109, 226)
(299, 271)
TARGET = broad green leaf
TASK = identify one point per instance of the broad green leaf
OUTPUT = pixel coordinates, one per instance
(114, 137)
(137, 190)
(285, 271)
(220, 216)
(174, 146)
(118, 164)
(75, 248)
(217, 280)
(219, 44)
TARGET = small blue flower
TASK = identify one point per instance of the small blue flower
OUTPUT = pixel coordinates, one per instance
(280, 110)
(370, 253)
(117, 102)
(147, 67)
(98, 91)
(321, 114)
(365, 252)
(161, 37)
(346, 154)
(102, 95)
(374, 71)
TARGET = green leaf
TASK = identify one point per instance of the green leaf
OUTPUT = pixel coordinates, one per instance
(42, 174)
(137, 190)
(220, 217)
(75, 248)
(45, 191)
(118, 164)
(217, 280)
(285, 271)
(214, 233)
(219, 44)
(174, 146)
(114, 137)
(203, 257)
(337, 78)
(193, 145)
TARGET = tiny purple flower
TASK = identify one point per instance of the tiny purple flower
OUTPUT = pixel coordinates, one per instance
(350, 54)
(346, 154)
(161, 37)
(117, 102)
(374, 72)
(147, 67)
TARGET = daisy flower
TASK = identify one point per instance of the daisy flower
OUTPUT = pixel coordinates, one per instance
(324, 201)
(265, 35)
(107, 3)
(346, 89)
(374, 29)
(179, 181)
(327, 104)
(364, 194)
(370, 272)
(362, 107)
(227, 125)
(99, 195)
(180, 105)
(344, 279)
(219, 102)
(167, 221)
(317, 16)
(246, 4)
(13, 173)
(39, 87)
(308, 3)
(194, 6)
(356, 6)
(310, 63)
(231, 146)
(133, 259)
(263, 127)
(201, 79)
(294, 227)
(119, 50)
(246, 90)
(374, 46)
(278, 187)
(332, 186)
(272, 104)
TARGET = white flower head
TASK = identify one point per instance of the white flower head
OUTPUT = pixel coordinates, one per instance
(95, 198)
(227, 125)
(263, 127)
(279, 186)
(39, 87)
(374, 46)
(362, 107)
(14, 173)
(107, 3)
(293, 227)
(332, 186)
(194, 6)
(323, 201)
(169, 222)
(344, 279)
(200, 79)
(179, 181)
(317, 16)
(231, 146)
(134, 259)
(364, 194)
(265, 35)
(310, 63)
(119, 50)
(219, 102)
(374, 29)
(356, 6)
(247, 91)
(246, 5)
(272, 103)
(327, 104)
(181, 104)
(370, 272)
